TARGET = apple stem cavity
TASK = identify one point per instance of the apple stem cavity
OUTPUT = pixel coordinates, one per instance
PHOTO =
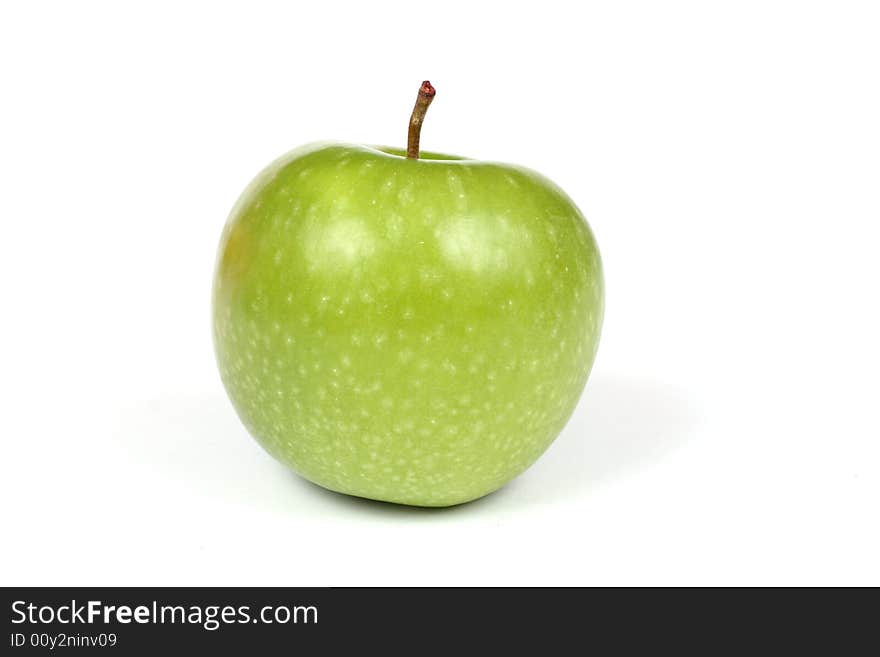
(423, 101)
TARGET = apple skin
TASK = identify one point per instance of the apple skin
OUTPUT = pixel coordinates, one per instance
(413, 331)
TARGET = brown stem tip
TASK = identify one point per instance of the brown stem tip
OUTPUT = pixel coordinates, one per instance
(423, 100)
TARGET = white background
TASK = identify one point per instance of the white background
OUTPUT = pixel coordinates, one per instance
(726, 154)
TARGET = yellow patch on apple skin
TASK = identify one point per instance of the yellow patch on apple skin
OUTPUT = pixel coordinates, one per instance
(236, 254)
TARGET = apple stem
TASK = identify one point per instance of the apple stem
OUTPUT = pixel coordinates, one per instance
(426, 95)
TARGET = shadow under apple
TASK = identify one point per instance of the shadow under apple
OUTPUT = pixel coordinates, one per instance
(198, 443)
(620, 425)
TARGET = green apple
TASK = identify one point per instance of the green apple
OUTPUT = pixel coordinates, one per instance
(410, 329)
